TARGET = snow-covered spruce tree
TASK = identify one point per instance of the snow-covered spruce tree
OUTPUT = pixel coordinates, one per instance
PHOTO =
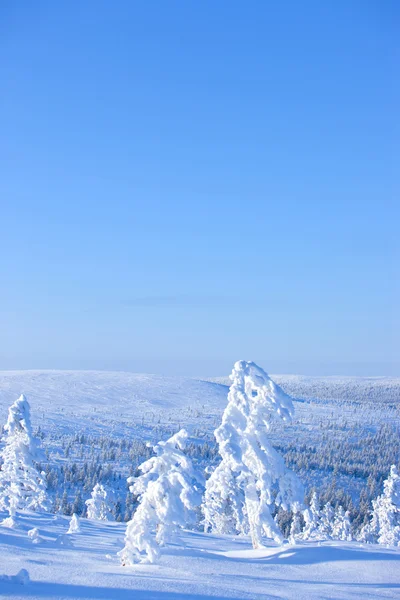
(341, 529)
(74, 524)
(169, 493)
(295, 526)
(312, 516)
(384, 527)
(325, 526)
(252, 476)
(98, 506)
(22, 486)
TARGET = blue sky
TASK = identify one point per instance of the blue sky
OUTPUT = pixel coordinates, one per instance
(188, 183)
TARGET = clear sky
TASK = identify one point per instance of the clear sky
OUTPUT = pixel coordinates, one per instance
(186, 183)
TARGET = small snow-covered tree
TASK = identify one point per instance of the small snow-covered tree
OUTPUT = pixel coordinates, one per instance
(384, 527)
(295, 526)
(22, 486)
(341, 529)
(312, 516)
(98, 506)
(169, 493)
(252, 476)
(74, 524)
(325, 526)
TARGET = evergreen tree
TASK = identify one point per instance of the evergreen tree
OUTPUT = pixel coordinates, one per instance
(77, 505)
(168, 491)
(325, 526)
(312, 516)
(252, 476)
(22, 486)
(341, 529)
(98, 506)
(384, 527)
(74, 524)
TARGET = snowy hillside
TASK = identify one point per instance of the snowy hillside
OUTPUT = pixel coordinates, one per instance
(102, 400)
(349, 389)
(196, 567)
(94, 425)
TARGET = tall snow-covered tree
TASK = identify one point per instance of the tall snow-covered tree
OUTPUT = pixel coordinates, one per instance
(251, 476)
(98, 506)
(384, 527)
(169, 493)
(22, 486)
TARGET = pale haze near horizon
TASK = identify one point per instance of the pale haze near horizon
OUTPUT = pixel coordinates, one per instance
(184, 185)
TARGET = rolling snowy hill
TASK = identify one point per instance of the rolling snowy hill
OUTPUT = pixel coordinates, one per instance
(103, 399)
(94, 419)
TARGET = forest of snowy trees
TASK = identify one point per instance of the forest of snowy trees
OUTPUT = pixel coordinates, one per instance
(239, 483)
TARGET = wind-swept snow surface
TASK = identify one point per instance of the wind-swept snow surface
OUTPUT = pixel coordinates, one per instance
(199, 567)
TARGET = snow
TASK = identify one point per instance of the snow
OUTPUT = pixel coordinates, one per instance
(199, 567)
(103, 400)
(49, 563)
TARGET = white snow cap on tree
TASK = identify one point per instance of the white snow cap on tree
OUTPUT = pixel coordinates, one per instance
(252, 475)
(98, 506)
(21, 484)
(384, 527)
(74, 524)
(169, 493)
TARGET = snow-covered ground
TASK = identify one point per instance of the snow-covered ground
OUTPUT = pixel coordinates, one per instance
(196, 567)
(102, 400)
(334, 419)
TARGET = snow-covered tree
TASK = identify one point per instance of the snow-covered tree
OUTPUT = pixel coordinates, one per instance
(295, 526)
(22, 486)
(384, 527)
(341, 529)
(312, 516)
(34, 536)
(98, 506)
(325, 526)
(74, 524)
(252, 476)
(169, 493)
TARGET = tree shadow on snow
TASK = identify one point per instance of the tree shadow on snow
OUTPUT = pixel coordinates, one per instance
(294, 555)
(58, 590)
